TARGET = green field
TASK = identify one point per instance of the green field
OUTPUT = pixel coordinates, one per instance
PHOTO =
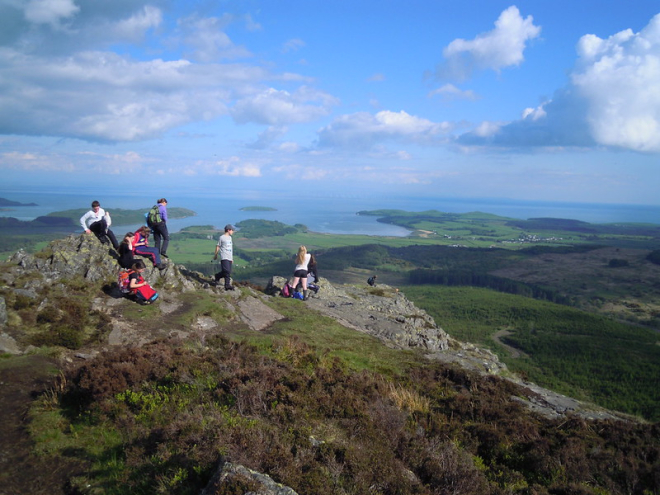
(579, 354)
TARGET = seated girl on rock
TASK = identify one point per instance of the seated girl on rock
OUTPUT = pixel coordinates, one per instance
(125, 250)
(141, 247)
(137, 285)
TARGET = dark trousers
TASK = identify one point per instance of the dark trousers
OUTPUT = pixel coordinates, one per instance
(225, 272)
(161, 233)
(103, 233)
(149, 252)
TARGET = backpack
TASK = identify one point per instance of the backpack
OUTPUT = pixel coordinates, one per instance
(286, 291)
(123, 282)
(153, 217)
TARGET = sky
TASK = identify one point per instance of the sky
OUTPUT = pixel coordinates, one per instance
(532, 100)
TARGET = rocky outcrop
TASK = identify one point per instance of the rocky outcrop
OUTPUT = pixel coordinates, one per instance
(83, 256)
(385, 313)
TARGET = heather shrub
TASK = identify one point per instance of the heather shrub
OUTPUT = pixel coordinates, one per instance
(314, 425)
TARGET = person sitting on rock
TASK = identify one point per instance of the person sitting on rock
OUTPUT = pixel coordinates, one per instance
(372, 280)
(97, 220)
(141, 247)
(125, 251)
(138, 286)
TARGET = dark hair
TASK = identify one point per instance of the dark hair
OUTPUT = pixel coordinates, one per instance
(95, 203)
(138, 265)
(161, 200)
(125, 239)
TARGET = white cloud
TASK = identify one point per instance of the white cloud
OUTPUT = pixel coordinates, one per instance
(619, 78)
(51, 12)
(613, 99)
(234, 166)
(207, 40)
(378, 77)
(56, 89)
(364, 130)
(267, 137)
(134, 26)
(293, 45)
(279, 107)
(102, 96)
(502, 47)
(451, 92)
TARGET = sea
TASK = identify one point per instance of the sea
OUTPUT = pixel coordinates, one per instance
(324, 214)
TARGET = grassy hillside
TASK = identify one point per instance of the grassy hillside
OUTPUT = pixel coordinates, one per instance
(324, 410)
(579, 354)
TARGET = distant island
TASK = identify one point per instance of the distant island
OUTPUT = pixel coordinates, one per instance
(8, 202)
(121, 216)
(257, 208)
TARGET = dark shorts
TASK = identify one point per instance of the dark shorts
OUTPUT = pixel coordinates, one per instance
(300, 273)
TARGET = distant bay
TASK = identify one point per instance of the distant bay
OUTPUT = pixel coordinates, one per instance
(331, 215)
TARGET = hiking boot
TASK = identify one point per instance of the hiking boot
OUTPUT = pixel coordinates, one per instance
(305, 295)
(163, 255)
(230, 287)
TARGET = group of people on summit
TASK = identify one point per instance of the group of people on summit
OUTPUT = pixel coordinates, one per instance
(98, 222)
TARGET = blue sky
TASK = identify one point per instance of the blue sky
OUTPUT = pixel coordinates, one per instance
(528, 100)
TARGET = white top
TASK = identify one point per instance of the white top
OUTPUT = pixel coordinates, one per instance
(90, 217)
(303, 265)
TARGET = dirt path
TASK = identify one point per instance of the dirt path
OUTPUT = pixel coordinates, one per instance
(21, 471)
(513, 352)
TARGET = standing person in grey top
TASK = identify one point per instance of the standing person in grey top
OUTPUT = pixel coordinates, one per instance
(226, 250)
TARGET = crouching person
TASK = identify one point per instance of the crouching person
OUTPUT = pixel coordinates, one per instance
(142, 290)
(97, 221)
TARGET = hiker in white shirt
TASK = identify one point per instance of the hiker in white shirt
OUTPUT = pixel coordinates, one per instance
(97, 220)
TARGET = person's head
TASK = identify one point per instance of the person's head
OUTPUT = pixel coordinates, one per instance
(128, 237)
(144, 230)
(96, 205)
(229, 229)
(300, 257)
(162, 201)
(139, 266)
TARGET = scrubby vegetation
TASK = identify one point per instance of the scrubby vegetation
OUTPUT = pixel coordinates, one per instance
(56, 316)
(576, 353)
(159, 419)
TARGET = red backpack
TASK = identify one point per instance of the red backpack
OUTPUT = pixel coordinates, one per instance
(123, 281)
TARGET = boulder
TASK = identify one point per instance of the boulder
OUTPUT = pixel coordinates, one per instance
(234, 478)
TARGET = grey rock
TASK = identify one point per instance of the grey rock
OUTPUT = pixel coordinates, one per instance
(8, 344)
(3, 312)
(228, 473)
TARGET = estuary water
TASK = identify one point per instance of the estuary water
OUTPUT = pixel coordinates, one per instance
(332, 215)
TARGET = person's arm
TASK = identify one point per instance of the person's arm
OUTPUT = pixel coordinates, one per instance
(163, 212)
(134, 284)
(140, 240)
(83, 221)
(217, 249)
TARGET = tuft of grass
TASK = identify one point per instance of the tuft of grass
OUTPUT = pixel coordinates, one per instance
(408, 400)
